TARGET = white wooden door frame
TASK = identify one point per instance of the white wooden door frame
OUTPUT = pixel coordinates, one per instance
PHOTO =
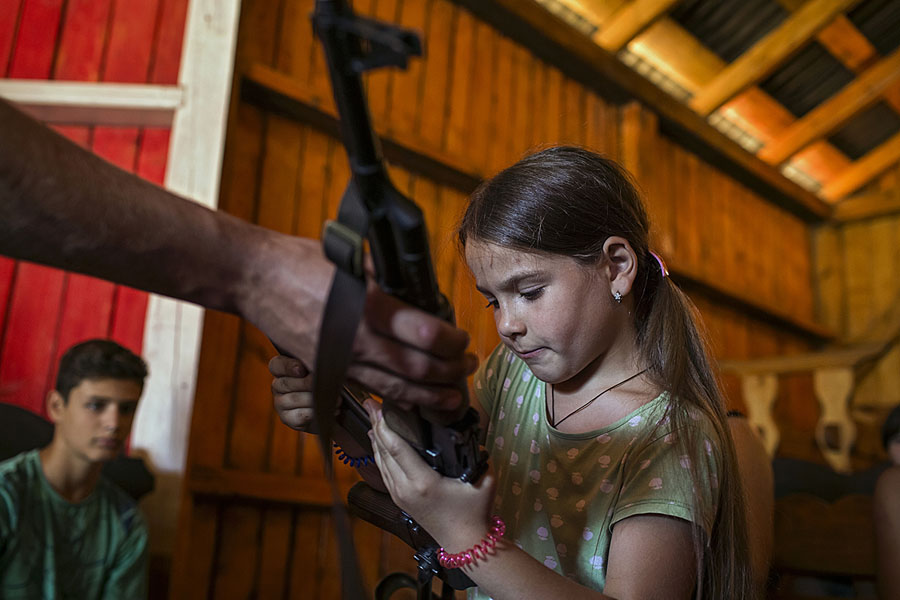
(196, 109)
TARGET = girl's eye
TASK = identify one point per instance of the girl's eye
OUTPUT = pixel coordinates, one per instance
(492, 304)
(532, 295)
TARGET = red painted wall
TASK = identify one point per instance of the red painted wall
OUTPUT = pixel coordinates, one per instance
(44, 311)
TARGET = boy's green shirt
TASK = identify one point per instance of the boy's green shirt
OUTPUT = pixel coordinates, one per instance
(52, 549)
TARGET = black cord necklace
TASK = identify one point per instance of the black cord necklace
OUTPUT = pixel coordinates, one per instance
(555, 423)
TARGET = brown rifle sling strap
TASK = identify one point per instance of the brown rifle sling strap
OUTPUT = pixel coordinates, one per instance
(343, 242)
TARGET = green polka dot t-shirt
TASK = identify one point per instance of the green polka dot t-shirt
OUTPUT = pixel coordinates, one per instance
(560, 493)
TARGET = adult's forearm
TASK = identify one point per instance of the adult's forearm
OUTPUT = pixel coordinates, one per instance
(62, 206)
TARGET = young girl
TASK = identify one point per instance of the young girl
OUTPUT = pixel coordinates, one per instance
(613, 472)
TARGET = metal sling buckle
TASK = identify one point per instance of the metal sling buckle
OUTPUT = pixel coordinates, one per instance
(344, 247)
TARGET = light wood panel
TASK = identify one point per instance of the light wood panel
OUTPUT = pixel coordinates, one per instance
(629, 21)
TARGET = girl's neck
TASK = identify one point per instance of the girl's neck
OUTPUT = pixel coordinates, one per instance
(622, 359)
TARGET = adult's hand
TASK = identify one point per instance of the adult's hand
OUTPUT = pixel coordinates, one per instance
(400, 352)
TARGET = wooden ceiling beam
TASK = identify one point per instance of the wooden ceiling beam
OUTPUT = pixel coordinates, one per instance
(760, 60)
(867, 206)
(864, 170)
(629, 21)
(694, 65)
(831, 114)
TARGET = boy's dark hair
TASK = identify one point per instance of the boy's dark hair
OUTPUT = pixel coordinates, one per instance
(98, 359)
(891, 427)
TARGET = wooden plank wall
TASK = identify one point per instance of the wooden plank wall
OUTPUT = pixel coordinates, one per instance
(858, 273)
(43, 311)
(254, 517)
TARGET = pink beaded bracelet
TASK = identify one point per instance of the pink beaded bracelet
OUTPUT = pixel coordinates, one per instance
(478, 551)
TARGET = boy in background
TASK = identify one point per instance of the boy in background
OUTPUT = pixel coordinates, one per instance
(65, 531)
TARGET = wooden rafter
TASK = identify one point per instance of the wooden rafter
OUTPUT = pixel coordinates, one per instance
(694, 66)
(629, 21)
(768, 53)
(840, 108)
(864, 170)
(868, 205)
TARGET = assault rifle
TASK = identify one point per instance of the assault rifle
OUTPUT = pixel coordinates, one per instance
(374, 210)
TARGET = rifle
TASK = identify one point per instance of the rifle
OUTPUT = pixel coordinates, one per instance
(374, 210)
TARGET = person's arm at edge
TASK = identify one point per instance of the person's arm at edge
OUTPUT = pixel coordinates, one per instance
(62, 206)
(886, 513)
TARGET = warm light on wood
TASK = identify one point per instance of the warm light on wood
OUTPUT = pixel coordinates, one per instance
(864, 170)
(768, 53)
(630, 21)
(866, 206)
(840, 108)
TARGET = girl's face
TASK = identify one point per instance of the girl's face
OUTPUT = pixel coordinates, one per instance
(554, 313)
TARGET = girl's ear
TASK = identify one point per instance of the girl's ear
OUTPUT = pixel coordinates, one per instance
(622, 264)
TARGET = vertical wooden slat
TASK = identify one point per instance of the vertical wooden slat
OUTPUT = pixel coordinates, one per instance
(436, 91)
(296, 45)
(303, 572)
(31, 329)
(553, 110)
(501, 102)
(7, 280)
(275, 546)
(32, 56)
(573, 112)
(131, 36)
(169, 39)
(9, 18)
(539, 103)
(237, 556)
(523, 98)
(83, 39)
(456, 137)
(406, 91)
(379, 82)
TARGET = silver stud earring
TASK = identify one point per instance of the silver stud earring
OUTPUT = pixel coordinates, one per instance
(617, 297)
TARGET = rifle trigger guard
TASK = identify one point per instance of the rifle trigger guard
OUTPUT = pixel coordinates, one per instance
(344, 247)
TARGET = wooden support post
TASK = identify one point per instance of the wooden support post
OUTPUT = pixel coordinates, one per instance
(834, 388)
(760, 390)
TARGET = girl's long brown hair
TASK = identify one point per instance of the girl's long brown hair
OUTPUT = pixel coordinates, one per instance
(567, 200)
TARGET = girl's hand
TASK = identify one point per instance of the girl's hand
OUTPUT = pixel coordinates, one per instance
(455, 513)
(292, 393)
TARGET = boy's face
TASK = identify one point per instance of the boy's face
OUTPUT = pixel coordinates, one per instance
(94, 424)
